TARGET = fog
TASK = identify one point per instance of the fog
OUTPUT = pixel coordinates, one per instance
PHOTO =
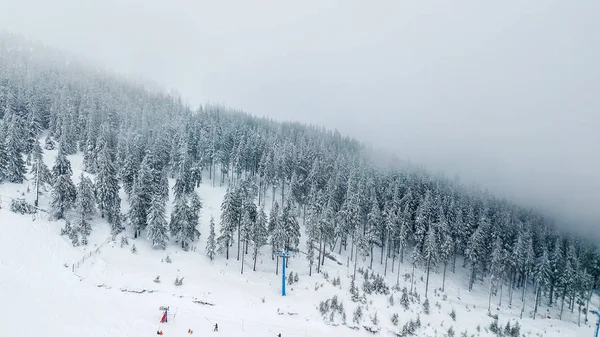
(503, 94)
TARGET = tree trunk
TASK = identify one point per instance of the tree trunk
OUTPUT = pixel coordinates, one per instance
(371, 266)
(562, 305)
(511, 290)
(386, 257)
(282, 191)
(239, 232)
(524, 288)
(243, 263)
(255, 258)
(412, 278)
(352, 249)
(501, 289)
(444, 277)
(393, 258)
(355, 261)
(454, 261)
(277, 266)
(401, 256)
(490, 297)
(398, 276)
(320, 250)
(427, 281)
(537, 300)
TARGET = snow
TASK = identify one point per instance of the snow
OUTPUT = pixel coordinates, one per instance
(49, 288)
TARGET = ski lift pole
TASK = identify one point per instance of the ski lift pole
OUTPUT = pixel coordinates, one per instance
(597, 321)
(285, 255)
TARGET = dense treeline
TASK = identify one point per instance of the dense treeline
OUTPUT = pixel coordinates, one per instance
(135, 139)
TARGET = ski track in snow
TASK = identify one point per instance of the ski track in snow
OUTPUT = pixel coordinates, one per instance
(43, 297)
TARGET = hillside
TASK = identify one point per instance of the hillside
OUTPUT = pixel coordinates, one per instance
(116, 166)
(106, 290)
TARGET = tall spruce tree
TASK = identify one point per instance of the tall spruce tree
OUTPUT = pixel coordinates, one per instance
(63, 192)
(85, 208)
(259, 234)
(211, 243)
(157, 223)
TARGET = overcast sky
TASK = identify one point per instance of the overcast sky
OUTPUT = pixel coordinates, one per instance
(503, 93)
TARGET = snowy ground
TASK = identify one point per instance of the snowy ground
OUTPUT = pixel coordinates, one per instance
(110, 290)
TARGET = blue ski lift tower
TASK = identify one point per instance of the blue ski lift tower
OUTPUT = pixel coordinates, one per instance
(284, 255)
(597, 322)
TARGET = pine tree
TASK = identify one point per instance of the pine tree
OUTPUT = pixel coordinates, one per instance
(107, 188)
(84, 208)
(14, 166)
(476, 253)
(291, 227)
(496, 268)
(211, 244)
(259, 234)
(231, 212)
(64, 192)
(41, 176)
(3, 158)
(374, 221)
(180, 220)
(430, 253)
(157, 224)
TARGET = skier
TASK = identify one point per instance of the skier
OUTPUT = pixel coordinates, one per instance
(159, 332)
(190, 331)
(216, 327)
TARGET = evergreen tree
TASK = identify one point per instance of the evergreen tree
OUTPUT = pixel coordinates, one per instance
(137, 213)
(157, 224)
(181, 221)
(291, 227)
(374, 222)
(211, 244)
(41, 176)
(259, 234)
(107, 188)
(14, 170)
(430, 253)
(84, 208)
(64, 192)
(231, 212)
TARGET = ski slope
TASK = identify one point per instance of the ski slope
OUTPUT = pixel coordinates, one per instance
(49, 288)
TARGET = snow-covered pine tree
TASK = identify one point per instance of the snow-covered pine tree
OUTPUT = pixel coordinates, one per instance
(157, 223)
(107, 189)
(446, 245)
(195, 208)
(136, 213)
(231, 212)
(259, 234)
(496, 269)
(246, 229)
(211, 244)
(542, 277)
(63, 192)
(431, 252)
(374, 222)
(180, 220)
(14, 166)
(85, 208)
(477, 251)
(290, 224)
(3, 156)
(41, 176)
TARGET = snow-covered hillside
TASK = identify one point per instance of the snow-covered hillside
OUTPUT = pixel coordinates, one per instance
(50, 288)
